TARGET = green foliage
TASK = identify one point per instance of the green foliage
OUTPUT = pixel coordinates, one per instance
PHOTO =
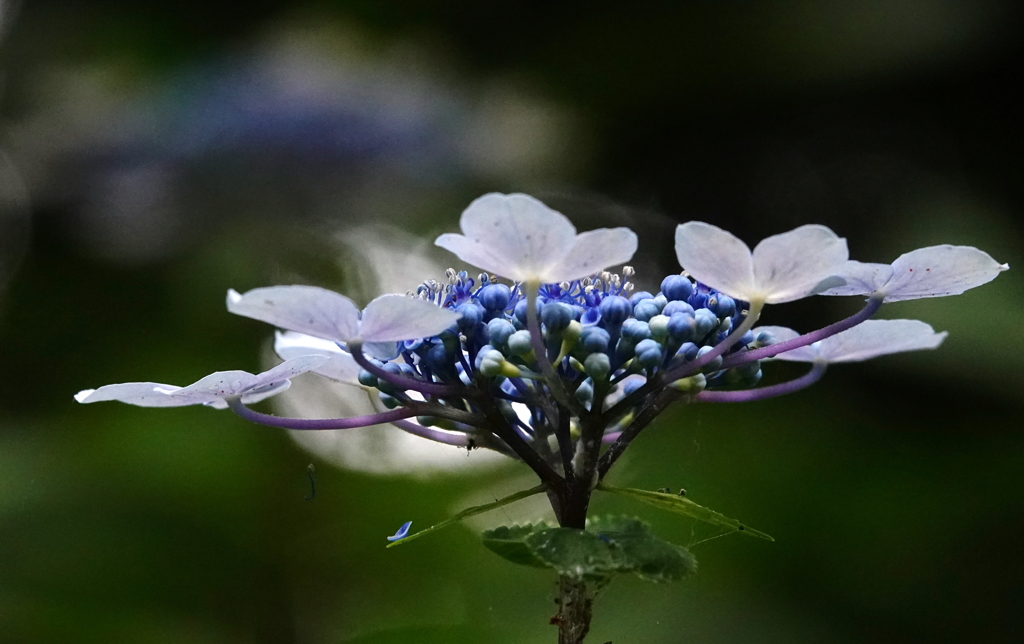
(509, 542)
(683, 505)
(472, 511)
(608, 546)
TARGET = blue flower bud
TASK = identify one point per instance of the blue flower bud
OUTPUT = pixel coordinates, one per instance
(472, 315)
(722, 305)
(636, 331)
(714, 365)
(649, 353)
(725, 325)
(437, 358)
(480, 355)
(519, 343)
(556, 316)
(676, 287)
(682, 327)
(659, 327)
(639, 295)
(389, 401)
(594, 339)
(427, 421)
(688, 351)
(597, 366)
(489, 362)
(706, 323)
(646, 309)
(677, 307)
(499, 330)
(698, 300)
(367, 379)
(749, 370)
(520, 311)
(765, 338)
(615, 310)
(494, 297)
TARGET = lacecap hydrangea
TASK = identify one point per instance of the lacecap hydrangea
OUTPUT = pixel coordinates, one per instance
(551, 356)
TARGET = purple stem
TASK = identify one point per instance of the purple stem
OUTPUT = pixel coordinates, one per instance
(320, 423)
(436, 435)
(874, 303)
(781, 389)
(402, 382)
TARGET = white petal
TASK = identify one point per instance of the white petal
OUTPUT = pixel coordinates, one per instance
(793, 265)
(307, 309)
(717, 258)
(861, 278)
(592, 252)
(391, 318)
(143, 394)
(784, 334)
(879, 337)
(258, 394)
(382, 350)
(515, 236)
(936, 271)
(288, 370)
(217, 386)
(340, 366)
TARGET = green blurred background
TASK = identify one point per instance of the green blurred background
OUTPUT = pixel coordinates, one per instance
(155, 154)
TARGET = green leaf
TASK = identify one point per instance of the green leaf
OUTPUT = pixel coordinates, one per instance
(647, 556)
(609, 545)
(683, 505)
(472, 511)
(577, 553)
(509, 542)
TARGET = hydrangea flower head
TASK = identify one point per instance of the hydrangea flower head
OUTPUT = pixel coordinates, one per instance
(517, 237)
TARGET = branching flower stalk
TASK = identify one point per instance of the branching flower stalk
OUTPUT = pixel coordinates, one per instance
(553, 360)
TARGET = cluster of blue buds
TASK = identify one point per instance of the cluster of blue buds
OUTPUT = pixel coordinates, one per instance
(597, 331)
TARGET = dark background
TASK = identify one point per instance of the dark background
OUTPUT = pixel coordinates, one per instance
(153, 155)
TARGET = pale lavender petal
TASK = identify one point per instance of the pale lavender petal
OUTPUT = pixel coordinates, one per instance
(937, 271)
(340, 366)
(515, 236)
(307, 309)
(861, 278)
(793, 265)
(592, 252)
(142, 394)
(717, 258)
(869, 339)
(879, 337)
(382, 350)
(288, 370)
(227, 384)
(393, 318)
(216, 386)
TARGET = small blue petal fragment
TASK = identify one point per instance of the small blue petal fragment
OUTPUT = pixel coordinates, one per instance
(402, 533)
